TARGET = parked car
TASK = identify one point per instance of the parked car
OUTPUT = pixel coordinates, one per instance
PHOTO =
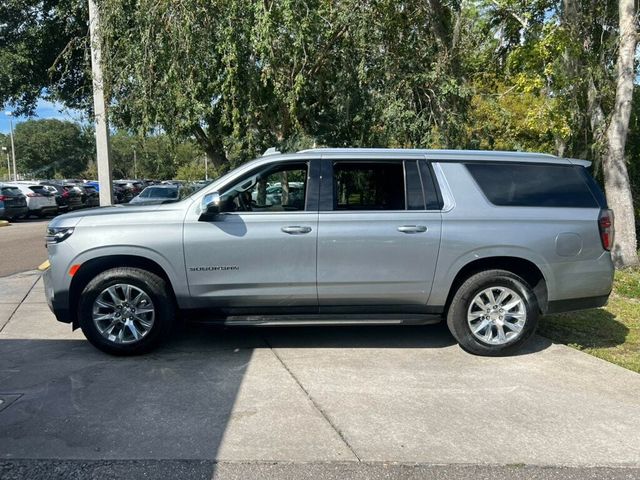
(67, 198)
(39, 200)
(118, 191)
(92, 195)
(130, 188)
(488, 241)
(13, 203)
(273, 194)
(157, 194)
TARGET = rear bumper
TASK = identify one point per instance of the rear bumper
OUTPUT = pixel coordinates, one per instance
(58, 301)
(11, 212)
(572, 304)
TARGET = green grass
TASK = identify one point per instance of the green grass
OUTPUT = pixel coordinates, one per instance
(612, 332)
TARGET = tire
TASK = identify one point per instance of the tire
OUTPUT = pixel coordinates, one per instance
(517, 323)
(156, 326)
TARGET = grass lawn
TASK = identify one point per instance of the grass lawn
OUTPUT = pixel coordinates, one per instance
(612, 332)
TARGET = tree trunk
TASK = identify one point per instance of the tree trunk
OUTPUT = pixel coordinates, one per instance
(616, 177)
(212, 146)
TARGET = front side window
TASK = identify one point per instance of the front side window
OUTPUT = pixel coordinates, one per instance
(280, 188)
(368, 186)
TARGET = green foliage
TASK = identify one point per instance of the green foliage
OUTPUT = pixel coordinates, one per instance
(191, 171)
(611, 333)
(43, 53)
(45, 148)
(240, 76)
(156, 156)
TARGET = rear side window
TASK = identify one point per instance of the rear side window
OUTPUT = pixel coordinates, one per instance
(522, 185)
(368, 186)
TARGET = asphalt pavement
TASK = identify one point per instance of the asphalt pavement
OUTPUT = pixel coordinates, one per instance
(332, 402)
(22, 246)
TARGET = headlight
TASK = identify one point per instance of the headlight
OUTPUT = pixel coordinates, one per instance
(58, 234)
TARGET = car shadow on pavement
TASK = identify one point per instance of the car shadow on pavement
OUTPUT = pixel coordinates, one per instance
(204, 395)
(433, 336)
(69, 400)
(597, 328)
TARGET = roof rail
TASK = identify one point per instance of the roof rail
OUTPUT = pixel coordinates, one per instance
(271, 151)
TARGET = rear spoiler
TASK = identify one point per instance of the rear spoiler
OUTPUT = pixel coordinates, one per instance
(577, 161)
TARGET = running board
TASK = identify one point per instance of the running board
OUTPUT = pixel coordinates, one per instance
(331, 319)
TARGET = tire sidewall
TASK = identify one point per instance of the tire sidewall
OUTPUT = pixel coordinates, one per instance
(152, 285)
(457, 315)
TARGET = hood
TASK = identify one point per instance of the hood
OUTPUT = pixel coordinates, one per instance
(71, 219)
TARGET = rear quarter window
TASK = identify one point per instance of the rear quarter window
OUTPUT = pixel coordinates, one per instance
(534, 185)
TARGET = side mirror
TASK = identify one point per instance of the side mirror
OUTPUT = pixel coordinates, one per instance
(210, 205)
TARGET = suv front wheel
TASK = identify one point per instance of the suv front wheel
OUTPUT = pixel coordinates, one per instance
(126, 311)
(493, 313)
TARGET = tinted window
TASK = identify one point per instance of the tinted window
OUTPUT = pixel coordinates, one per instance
(508, 184)
(40, 190)
(432, 194)
(415, 196)
(10, 191)
(162, 192)
(368, 186)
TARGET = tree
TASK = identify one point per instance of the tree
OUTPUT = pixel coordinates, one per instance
(576, 57)
(616, 177)
(191, 171)
(43, 53)
(51, 148)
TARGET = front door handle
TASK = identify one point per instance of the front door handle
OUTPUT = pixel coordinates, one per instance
(296, 230)
(412, 229)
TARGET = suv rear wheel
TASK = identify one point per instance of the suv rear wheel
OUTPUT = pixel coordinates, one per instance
(493, 313)
(126, 311)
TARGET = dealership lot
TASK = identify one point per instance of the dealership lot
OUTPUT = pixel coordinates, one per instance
(364, 395)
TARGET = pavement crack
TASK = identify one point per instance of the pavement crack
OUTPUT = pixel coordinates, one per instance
(312, 400)
(2, 327)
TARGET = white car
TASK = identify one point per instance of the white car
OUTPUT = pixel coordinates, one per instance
(40, 201)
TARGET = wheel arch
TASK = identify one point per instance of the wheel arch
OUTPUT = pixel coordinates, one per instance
(522, 267)
(89, 269)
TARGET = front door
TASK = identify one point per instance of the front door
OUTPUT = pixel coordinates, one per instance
(260, 251)
(378, 243)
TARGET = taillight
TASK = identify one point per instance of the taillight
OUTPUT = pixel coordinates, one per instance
(2, 198)
(65, 194)
(605, 224)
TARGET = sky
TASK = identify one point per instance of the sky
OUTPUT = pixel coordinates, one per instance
(44, 109)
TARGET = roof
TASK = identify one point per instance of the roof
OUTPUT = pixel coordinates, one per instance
(444, 155)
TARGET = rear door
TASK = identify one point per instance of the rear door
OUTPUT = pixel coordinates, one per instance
(378, 235)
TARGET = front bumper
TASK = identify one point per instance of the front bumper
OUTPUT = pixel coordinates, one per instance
(58, 301)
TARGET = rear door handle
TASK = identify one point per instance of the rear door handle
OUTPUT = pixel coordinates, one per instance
(296, 230)
(412, 228)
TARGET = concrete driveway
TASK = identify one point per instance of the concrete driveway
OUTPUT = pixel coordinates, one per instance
(352, 398)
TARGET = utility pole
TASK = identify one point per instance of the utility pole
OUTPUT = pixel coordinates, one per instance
(206, 168)
(5, 149)
(103, 161)
(13, 148)
(135, 164)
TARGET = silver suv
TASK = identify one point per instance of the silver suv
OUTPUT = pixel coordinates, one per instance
(487, 240)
